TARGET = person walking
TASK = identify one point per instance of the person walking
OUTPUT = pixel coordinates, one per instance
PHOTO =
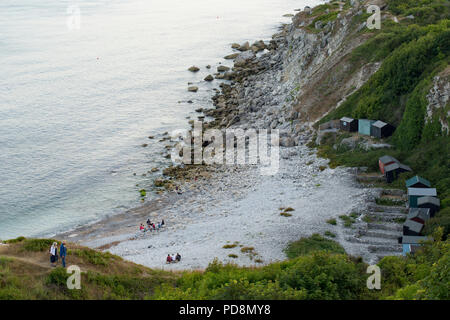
(54, 254)
(63, 253)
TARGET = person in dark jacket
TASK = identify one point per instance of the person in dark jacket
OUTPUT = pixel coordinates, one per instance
(63, 253)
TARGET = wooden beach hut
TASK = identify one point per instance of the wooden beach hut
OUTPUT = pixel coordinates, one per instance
(431, 203)
(415, 193)
(392, 171)
(420, 215)
(385, 161)
(411, 243)
(380, 129)
(418, 182)
(349, 124)
(412, 228)
(364, 126)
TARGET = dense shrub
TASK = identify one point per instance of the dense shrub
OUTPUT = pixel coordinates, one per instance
(38, 244)
(314, 243)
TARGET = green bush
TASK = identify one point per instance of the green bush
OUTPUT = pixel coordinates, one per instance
(314, 243)
(58, 276)
(94, 257)
(38, 244)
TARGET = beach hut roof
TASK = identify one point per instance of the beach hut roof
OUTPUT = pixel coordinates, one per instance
(413, 225)
(387, 159)
(427, 199)
(379, 124)
(421, 213)
(413, 239)
(431, 192)
(347, 119)
(417, 179)
(396, 166)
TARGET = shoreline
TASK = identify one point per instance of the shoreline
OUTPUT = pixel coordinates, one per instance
(253, 98)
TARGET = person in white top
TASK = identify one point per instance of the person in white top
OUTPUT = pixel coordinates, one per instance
(54, 254)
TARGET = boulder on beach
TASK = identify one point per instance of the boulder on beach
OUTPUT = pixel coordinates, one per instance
(209, 78)
(194, 69)
(235, 45)
(222, 68)
(243, 58)
(231, 56)
(244, 47)
(193, 89)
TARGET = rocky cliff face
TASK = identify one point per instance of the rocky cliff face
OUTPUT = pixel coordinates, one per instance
(438, 100)
(304, 73)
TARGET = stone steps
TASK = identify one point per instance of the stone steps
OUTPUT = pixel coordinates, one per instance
(380, 208)
(395, 227)
(383, 235)
(387, 249)
(386, 216)
(371, 241)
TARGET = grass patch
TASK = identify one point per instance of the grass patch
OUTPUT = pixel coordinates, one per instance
(247, 249)
(230, 246)
(232, 255)
(348, 221)
(329, 234)
(314, 243)
(285, 214)
(332, 221)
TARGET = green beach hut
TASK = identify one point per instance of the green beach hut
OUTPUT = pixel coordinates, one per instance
(416, 193)
(364, 126)
(418, 182)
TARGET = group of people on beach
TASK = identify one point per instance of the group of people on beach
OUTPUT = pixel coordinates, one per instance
(151, 226)
(54, 254)
(173, 258)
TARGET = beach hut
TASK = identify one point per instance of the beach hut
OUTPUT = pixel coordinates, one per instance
(415, 193)
(349, 124)
(412, 228)
(392, 171)
(385, 161)
(364, 126)
(420, 215)
(380, 129)
(418, 182)
(431, 203)
(411, 243)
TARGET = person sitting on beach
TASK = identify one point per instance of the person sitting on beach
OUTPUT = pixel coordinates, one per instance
(149, 222)
(174, 259)
(169, 259)
(154, 227)
(162, 223)
(142, 228)
(178, 257)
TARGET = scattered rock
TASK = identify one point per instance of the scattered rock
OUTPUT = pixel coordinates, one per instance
(222, 68)
(231, 56)
(209, 78)
(193, 89)
(194, 69)
(244, 47)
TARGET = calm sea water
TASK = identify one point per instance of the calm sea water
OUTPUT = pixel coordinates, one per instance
(76, 105)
